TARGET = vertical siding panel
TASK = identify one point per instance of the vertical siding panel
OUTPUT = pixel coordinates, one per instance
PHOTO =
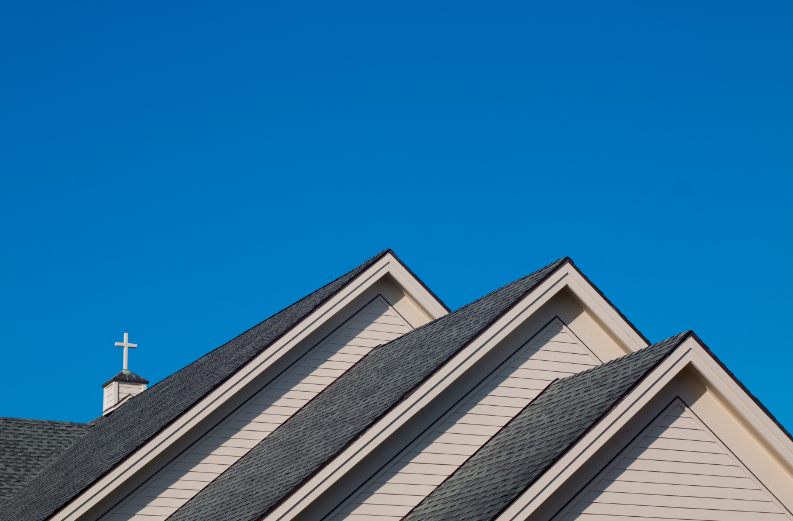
(676, 470)
(412, 476)
(376, 324)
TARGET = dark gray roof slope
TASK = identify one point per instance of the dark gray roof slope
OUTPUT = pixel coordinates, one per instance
(116, 436)
(26, 446)
(518, 454)
(332, 420)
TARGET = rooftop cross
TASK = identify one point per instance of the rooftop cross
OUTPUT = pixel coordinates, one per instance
(125, 344)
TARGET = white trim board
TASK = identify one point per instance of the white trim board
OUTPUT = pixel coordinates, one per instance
(565, 278)
(690, 355)
(387, 266)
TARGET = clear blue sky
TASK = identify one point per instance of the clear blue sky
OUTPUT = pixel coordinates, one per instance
(183, 171)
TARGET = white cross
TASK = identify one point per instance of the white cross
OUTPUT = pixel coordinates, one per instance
(125, 344)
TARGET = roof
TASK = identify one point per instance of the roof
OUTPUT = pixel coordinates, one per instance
(26, 446)
(115, 436)
(527, 446)
(126, 376)
(740, 384)
(336, 417)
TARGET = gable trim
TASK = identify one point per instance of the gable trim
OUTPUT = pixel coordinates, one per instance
(689, 353)
(387, 264)
(611, 304)
(676, 402)
(563, 276)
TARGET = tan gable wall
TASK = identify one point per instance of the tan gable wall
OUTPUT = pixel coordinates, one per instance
(676, 469)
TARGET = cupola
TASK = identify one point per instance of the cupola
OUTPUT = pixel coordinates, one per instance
(124, 385)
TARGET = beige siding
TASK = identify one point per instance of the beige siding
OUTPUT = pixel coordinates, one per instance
(677, 470)
(412, 476)
(109, 396)
(376, 324)
(126, 389)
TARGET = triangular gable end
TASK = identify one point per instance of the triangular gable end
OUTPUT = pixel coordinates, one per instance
(687, 442)
(383, 283)
(677, 468)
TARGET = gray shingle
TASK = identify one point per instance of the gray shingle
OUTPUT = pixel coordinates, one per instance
(327, 424)
(116, 436)
(518, 454)
(26, 446)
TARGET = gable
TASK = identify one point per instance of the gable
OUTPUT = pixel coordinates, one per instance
(375, 324)
(125, 448)
(747, 440)
(676, 469)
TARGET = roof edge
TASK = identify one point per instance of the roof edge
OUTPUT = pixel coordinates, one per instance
(442, 303)
(741, 385)
(610, 303)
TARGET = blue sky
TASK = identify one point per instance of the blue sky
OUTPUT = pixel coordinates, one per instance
(183, 171)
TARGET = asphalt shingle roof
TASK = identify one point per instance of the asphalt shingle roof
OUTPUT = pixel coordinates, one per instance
(26, 446)
(527, 446)
(114, 437)
(332, 420)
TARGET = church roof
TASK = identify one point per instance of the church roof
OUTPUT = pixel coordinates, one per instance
(117, 435)
(65, 459)
(354, 402)
(26, 446)
(518, 454)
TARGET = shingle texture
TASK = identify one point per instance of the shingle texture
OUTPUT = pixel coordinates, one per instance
(518, 454)
(119, 434)
(26, 446)
(324, 426)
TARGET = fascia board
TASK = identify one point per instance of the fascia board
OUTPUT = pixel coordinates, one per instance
(383, 428)
(604, 310)
(601, 432)
(387, 265)
(689, 353)
(414, 288)
(725, 385)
